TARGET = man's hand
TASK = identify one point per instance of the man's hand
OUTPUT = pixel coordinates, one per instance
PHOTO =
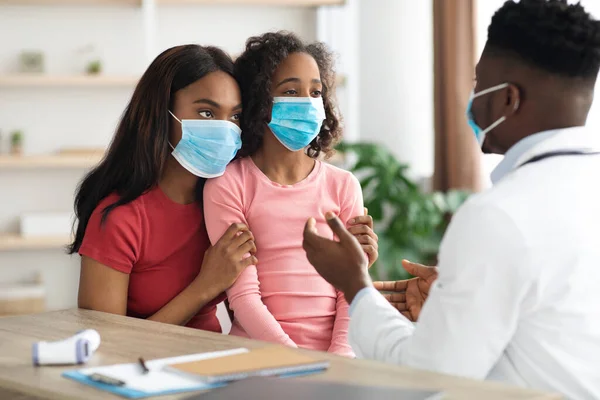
(343, 263)
(409, 296)
(362, 229)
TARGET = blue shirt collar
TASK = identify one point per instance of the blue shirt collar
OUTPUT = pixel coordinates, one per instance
(513, 154)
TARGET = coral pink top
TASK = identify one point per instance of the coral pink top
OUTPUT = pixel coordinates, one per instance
(283, 299)
(160, 244)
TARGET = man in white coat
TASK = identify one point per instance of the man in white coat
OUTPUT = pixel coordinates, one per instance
(517, 298)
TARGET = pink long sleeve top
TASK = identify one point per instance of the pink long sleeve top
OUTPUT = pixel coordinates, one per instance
(283, 299)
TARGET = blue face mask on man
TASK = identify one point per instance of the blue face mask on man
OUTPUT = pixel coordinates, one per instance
(206, 146)
(296, 121)
(481, 133)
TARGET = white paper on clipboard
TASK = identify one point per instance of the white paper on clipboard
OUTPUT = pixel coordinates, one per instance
(158, 379)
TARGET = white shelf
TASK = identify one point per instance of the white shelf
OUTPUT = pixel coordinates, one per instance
(41, 80)
(282, 3)
(71, 2)
(15, 242)
(49, 161)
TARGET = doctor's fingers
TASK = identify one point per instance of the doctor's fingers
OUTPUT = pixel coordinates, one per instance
(311, 240)
(393, 286)
(314, 243)
(395, 297)
(400, 306)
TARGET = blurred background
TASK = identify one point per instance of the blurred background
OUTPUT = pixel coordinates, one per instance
(68, 68)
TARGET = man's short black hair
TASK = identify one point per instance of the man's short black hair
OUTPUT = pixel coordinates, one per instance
(550, 35)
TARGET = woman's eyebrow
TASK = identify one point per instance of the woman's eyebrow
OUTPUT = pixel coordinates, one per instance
(209, 102)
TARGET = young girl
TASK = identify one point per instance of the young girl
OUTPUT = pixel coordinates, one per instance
(144, 248)
(289, 121)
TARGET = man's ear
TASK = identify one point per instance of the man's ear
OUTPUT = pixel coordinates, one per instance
(513, 99)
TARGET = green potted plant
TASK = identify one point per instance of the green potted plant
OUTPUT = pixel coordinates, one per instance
(94, 67)
(410, 222)
(16, 142)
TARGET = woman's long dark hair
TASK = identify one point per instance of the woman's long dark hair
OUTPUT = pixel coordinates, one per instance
(140, 148)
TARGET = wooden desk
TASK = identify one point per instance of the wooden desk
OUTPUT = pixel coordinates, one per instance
(126, 339)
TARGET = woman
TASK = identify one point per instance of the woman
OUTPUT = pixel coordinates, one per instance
(289, 121)
(141, 236)
(144, 248)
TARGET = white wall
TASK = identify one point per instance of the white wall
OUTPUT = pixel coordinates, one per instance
(396, 79)
(55, 117)
(339, 28)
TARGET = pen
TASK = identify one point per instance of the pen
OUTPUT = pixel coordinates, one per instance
(107, 380)
(143, 365)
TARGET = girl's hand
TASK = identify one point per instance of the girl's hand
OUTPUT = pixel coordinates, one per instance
(362, 229)
(225, 261)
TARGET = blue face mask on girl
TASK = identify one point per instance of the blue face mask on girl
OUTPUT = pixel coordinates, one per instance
(206, 146)
(296, 121)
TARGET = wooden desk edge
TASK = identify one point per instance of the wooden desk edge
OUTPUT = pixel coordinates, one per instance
(82, 317)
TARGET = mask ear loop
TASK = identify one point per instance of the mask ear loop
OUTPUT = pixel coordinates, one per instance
(173, 115)
(178, 120)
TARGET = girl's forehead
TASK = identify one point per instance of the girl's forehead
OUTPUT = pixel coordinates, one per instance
(297, 64)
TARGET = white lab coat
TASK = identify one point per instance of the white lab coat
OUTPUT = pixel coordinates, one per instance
(518, 295)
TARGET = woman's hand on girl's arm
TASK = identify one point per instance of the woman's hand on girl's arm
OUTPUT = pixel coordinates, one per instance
(103, 288)
(224, 262)
(221, 266)
(362, 229)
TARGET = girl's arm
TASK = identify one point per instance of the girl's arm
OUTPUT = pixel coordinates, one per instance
(223, 205)
(352, 206)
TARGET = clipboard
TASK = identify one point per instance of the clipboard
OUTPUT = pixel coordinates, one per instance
(132, 382)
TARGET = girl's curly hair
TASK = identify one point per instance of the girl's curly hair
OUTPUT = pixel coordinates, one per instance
(254, 69)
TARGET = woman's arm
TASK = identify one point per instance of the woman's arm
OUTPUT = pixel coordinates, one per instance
(111, 248)
(103, 288)
(222, 206)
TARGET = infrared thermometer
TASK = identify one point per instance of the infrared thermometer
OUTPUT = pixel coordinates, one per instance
(74, 350)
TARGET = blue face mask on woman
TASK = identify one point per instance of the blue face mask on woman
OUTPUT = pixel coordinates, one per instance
(206, 146)
(296, 121)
